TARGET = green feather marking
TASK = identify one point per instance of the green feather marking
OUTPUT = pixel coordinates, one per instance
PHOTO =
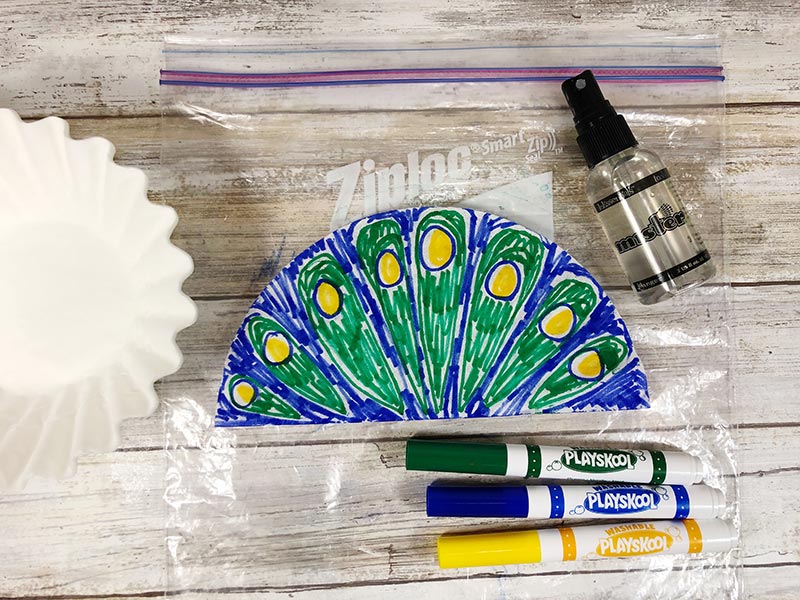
(562, 313)
(580, 371)
(335, 313)
(507, 271)
(439, 261)
(290, 364)
(245, 394)
(381, 253)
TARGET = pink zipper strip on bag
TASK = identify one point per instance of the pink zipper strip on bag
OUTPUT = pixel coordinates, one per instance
(431, 75)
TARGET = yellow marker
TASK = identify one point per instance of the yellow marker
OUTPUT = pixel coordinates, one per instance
(594, 541)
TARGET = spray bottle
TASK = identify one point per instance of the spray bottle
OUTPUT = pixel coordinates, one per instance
(633, 195)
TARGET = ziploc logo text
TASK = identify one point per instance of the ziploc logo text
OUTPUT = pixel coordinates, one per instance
(598, 461)
(633, 540)
(389, 187)
(620, 500)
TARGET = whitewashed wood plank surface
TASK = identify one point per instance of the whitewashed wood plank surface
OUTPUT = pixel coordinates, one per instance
(129, 484)
(118, 42)
(778, 586)
(760, 221)
(101, 534)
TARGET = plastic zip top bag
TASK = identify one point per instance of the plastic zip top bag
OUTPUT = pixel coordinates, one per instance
(484, 152)
(390, 235)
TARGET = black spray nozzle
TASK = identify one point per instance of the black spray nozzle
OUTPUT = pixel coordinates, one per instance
(601, 131)
(586, 100)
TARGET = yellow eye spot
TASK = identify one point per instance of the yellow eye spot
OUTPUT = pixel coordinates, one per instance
(558, 323)
(389, 270)
(586, 365)
(503, 281)
(277, 349)
(437, 249)
(243, 393)
(328, 299)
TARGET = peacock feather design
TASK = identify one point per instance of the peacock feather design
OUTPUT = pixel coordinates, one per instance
(429, 313)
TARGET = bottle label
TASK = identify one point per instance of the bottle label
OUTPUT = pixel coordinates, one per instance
(672, 272)
(631, 190)
(650, 231)
(659, 223)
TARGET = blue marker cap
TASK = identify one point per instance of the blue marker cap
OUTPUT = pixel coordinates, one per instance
(461, 501)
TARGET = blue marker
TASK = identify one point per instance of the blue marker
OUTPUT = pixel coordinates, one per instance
(608, 501)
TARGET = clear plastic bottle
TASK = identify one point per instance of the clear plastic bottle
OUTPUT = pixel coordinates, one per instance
(631, 191)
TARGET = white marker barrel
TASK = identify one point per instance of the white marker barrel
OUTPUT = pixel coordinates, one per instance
(626, 500)
(605, 464)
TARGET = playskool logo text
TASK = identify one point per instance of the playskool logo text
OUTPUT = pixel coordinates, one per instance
(632, 540)
(597, 461)
(612, 501)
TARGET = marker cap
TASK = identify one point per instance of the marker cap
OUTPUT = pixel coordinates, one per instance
(718, 535)
(489, 549)
(683, 468)
(456, 457)
(706, 501)
(497, 501)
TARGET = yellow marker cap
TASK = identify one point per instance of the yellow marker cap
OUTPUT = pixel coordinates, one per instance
(489, 549)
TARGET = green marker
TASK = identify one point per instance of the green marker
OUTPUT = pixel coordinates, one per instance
(653, 467)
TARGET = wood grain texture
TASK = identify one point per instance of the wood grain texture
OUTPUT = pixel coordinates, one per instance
(119, 42)
(761, 163)
(122, 492)
(115, 508)
(101, 534)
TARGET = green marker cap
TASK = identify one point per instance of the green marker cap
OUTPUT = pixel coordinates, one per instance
(456, 457)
